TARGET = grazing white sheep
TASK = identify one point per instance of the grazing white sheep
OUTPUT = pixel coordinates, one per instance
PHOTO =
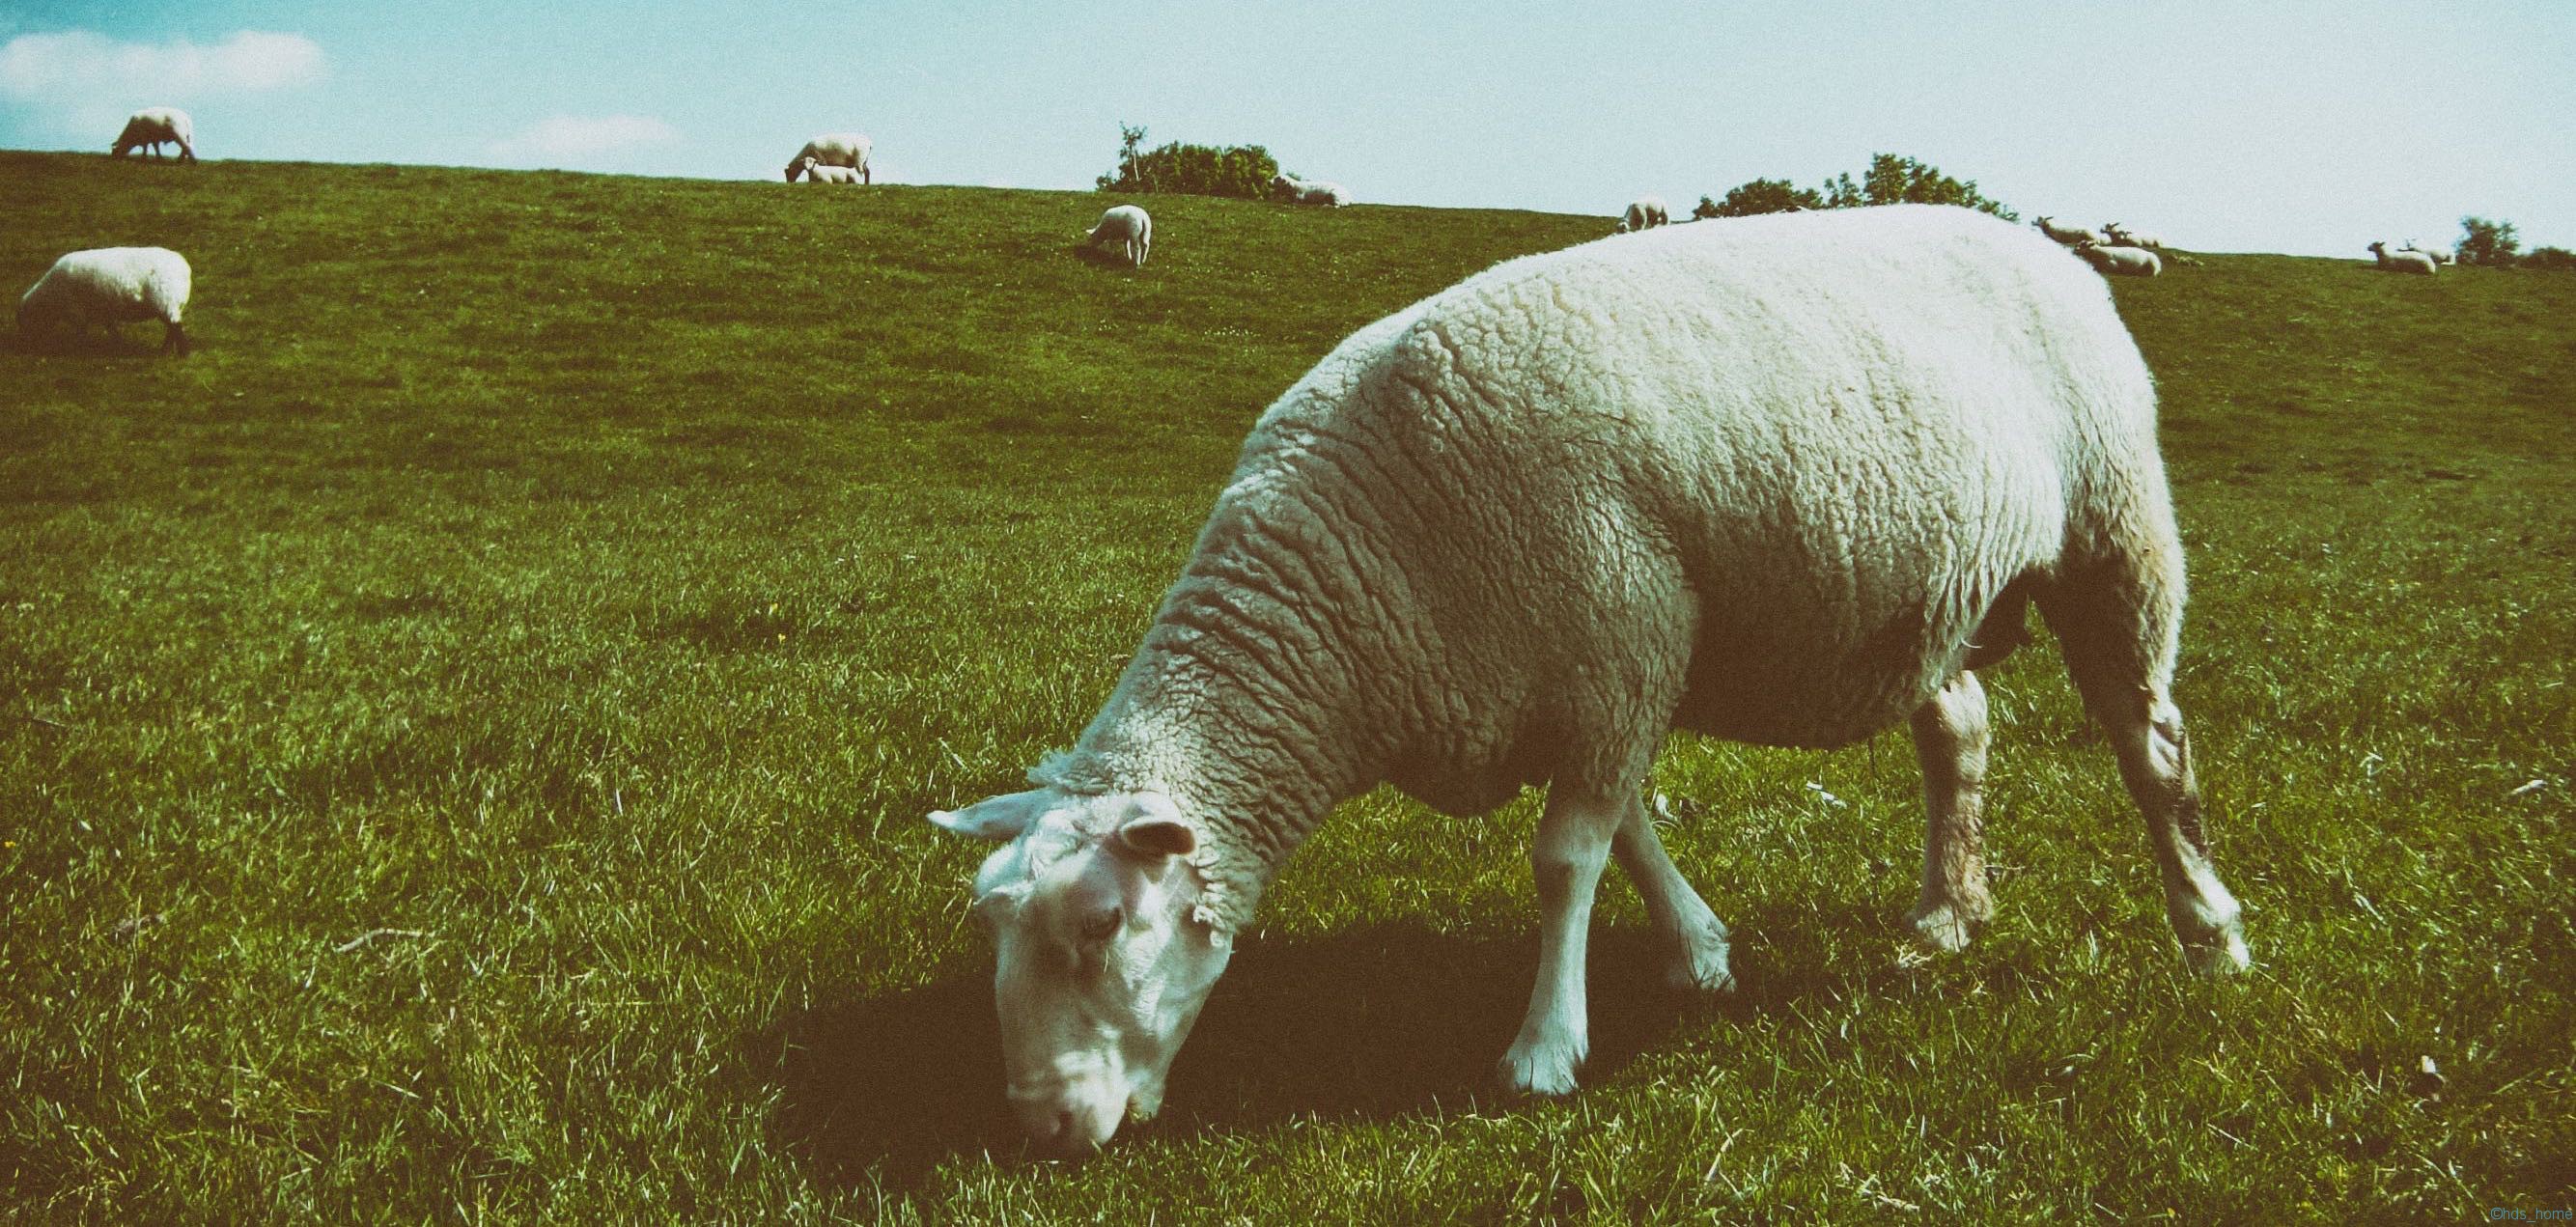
(1782, 479)
(2402, 261)
(2064, 234)
(2113, 261)
(1125, 224)
(1308, 192)
(1644, 212)
(2122, 236)
(111, 286)
(153, 127)
(816, 172)
(833, 149)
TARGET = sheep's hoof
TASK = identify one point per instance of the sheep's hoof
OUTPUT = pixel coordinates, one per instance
(1699, 967)
(1947, 926)
(2223, 954)
(1542, 1070)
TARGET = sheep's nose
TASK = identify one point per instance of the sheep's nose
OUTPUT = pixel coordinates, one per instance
(1059, 1133)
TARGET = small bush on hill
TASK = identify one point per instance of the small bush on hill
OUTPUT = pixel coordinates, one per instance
(2558, 259)
(1762, 196)
(1241, 171)
(1890, 179)
(2491, 243)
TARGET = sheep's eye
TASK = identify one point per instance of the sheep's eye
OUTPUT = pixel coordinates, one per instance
(1104, 926)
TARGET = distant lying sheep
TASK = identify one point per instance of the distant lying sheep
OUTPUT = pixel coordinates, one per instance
(2403, 261)
(1308, 192)
(833, 149)
(2122, 236)
(1644, 212)
(2116, 261)
(816, 172)
(2439, 256)
(111, 286)
(2066, 235)
(1125, 224)
(153, 127)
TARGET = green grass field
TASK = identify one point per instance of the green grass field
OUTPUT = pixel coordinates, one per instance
(464, 736)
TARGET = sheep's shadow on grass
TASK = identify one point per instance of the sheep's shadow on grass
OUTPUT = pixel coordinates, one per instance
(83, 343)
(1103, 256)
(1373, 1023)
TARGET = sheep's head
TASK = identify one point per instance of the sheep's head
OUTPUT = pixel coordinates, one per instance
(1102, 958)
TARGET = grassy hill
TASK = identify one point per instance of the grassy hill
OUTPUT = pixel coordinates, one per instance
(463, 739)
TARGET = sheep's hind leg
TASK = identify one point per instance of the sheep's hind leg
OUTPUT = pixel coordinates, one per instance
(2118, 627)
(1573, 845)
(1696, 938)
(1950, 739)
(2155, 762)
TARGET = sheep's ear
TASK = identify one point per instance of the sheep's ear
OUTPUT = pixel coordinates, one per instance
(1153, 827)
(1002, 817)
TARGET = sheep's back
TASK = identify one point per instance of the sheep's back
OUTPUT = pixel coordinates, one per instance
(1828, 440)
(114, 285)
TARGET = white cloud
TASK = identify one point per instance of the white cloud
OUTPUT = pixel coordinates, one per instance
(79, 68)
(558, 138)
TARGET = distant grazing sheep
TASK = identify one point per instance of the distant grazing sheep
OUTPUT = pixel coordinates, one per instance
(111, 286)
(152, 127)
(2440, 256)
(1308, 192)
(833, 149)
(1644, 212)
(2122, 236)
(1129, 225)
(1789, 480)
(2113, 261)
(2403, 261)
(816, 172)
(2065, 235)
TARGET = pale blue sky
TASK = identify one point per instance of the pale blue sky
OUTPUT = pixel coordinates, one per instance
(2301, 127)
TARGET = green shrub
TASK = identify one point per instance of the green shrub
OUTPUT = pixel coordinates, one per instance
(1890, 179)
(2556, 258)
(1240, 171)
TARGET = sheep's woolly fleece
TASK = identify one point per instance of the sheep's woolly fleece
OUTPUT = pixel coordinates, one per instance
(110, 285)
(1759, 478)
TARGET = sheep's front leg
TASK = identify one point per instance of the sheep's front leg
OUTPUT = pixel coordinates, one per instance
(1695, 938)
(1950, 739)
(1573, 845)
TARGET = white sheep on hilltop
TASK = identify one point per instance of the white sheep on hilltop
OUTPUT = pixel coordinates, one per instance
(833, 149)
(1643, 213)
(1784, 479)
(2440, 255)
(153, 127)
(2403, 261)
(817, 172)
(2119, 261)
(1127, 225)
(111, 286)
(2063, 234)
(1308, 192)
(2122, 236)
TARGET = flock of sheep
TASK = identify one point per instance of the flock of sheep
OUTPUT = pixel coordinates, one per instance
(109, 286)
(2112, 251)
(117, 285)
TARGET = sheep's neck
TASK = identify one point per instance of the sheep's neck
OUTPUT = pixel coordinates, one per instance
(1211, 713)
